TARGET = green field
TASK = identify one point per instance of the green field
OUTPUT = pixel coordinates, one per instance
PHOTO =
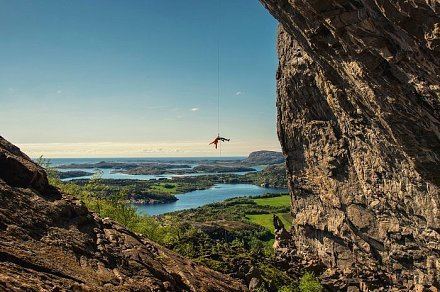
(164, 188)
(287, 219)
(281, 201)
(266, 220)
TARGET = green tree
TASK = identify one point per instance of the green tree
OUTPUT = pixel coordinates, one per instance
(51, 172)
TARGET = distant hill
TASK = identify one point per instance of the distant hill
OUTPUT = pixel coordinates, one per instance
(264, 157)
(273, 176)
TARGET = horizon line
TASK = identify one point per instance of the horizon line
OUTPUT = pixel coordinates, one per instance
(142, 150)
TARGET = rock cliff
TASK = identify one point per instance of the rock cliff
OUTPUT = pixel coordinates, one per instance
(51, 242)
(359, 123)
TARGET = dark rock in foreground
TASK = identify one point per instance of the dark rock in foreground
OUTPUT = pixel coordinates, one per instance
(359, 121)
(51, 242)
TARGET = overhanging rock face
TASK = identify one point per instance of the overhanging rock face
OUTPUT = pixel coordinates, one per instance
(359, 122)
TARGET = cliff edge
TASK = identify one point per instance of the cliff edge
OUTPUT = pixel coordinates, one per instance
(359, 122)
(51, 242)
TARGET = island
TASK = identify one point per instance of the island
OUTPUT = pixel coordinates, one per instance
(264, 157)
(218, 168)
(73, 174)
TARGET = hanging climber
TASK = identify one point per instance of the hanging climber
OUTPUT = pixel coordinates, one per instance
(218, 140)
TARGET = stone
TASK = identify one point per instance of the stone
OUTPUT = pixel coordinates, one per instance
(359, 216)
(254, 284)
(358, 100)
(353, 289)
(51, 242)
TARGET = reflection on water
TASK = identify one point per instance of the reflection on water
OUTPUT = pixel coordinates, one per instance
(199, 198)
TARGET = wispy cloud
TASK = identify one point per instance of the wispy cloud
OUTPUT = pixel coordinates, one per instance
(239, 92)
(141, 149)
(160, 107)
(194, 109)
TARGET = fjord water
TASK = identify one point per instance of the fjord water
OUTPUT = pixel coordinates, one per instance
(200, 198)
(111, 174)
(107, 173)
(59, 161)
(185, 201)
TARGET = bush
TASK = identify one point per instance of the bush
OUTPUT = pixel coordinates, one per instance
(287, 289)
(275, 277)
(309, 283)
(92, 194)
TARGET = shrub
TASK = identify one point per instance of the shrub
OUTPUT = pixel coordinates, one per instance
(286, 289)
(309, 283)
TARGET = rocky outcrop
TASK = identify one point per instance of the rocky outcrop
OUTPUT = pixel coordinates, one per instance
(359, 122)
(264, 157)
(51, 242)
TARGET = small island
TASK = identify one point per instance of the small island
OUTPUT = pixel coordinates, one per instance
(156, 169)
(73, 174)
(181, 177)
(218, 168)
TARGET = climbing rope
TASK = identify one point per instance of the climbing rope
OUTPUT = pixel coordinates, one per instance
(218, 76)
(218, 87)
(218, 140)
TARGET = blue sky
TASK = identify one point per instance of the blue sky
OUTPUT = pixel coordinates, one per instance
(77, 75)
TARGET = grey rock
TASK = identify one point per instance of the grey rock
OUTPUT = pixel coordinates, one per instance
(358, 103)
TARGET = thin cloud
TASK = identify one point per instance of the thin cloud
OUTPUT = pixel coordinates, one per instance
(194, 109)
(159, 108)
(239, 93)
(175, 148)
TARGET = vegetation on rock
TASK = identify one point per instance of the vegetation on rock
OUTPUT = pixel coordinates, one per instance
(49, 241)
(233, 237)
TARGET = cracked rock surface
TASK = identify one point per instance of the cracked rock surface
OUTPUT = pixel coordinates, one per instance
(51, 242)
(359, 123)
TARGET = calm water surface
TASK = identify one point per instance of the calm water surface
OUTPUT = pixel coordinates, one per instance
(188, 200)
(200, 198)
(110, 174)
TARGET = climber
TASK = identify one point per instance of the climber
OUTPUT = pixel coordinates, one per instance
(219, 139)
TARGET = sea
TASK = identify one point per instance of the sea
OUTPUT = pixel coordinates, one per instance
(194, 199)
